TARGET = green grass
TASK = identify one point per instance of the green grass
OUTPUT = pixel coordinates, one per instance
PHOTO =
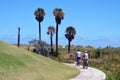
(20, 64)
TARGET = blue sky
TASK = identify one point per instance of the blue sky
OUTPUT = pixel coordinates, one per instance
(97, 22)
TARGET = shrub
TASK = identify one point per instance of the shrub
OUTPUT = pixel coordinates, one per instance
(117, 76)
(40, 47)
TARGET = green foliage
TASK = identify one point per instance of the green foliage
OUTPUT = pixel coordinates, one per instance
(55, 54)
(39, 14)
(110, 77)
(108, 61)
(117, 75)
(59, 15)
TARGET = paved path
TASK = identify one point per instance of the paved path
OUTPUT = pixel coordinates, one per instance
(88, 74)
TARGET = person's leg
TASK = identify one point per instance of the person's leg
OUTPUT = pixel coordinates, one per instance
(86, 63)
(83, 64)
(77, 61)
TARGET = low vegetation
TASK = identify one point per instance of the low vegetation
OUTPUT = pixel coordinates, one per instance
(106, 59)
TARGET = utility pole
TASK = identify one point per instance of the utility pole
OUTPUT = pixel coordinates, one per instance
(18, 36)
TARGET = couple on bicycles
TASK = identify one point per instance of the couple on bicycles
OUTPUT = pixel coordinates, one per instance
(82, 57)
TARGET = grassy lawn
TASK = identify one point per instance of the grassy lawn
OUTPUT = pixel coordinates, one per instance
(19, 64)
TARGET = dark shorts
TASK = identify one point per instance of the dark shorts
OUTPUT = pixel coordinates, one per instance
(78, 58)
(78, 61)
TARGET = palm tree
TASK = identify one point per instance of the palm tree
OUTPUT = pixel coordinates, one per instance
(39, 16)
(70, 34)
(59, 15)
(51, 31)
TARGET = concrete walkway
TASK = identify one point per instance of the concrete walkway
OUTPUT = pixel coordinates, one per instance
(88, 74)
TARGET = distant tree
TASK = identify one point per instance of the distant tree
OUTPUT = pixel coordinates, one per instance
(70, 34)
(51, 32)
(59, 15)
(39, 16)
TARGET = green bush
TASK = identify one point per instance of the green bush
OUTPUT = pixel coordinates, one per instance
(117, 76)
(110, 77)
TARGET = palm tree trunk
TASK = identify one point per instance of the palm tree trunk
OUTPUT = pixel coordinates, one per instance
(39, 31)
(51, 43)
(68, 46)
(56, 39)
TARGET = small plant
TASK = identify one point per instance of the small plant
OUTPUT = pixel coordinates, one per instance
(117, 76)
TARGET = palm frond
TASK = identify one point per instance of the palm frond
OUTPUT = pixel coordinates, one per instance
(71, 30)
(58, 12)
(51, 30)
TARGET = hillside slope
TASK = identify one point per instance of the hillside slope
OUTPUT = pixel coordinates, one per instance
(19, 64)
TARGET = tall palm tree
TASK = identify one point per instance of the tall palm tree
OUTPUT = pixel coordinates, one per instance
(70, 34)
(51, 32)
(59, 15)
(39, 16)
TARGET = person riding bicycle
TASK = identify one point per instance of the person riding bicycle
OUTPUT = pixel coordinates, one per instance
(78, 57)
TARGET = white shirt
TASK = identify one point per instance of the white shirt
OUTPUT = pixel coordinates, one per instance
(86, 55)
(78, 54)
